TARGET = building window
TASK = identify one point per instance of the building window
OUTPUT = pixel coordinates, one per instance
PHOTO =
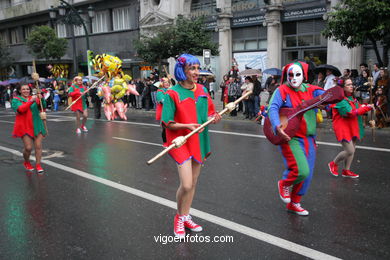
(14, 36)
(249, 38)
(61, 30)
(3, 37)
(122, 19)
(78, 30)
(100, 22)
(27, 31)
(303, 33)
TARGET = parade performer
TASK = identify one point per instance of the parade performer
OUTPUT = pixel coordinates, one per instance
(80, 107)
(28, 124)
(186, 106)
(348, 128)
(298, 151)
(164, 85)
(380, 107)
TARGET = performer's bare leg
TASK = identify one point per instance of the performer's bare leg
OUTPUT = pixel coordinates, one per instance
(78, 115)
(347, 154)
(188, 174)
(38, 148)
(28, 144)
(85, 116)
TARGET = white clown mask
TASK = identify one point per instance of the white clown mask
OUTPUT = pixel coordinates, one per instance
(295, 76)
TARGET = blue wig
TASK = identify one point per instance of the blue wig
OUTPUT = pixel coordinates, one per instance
(181, 62)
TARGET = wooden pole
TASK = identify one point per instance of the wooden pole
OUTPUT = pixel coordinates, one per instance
(42, 114)
(171, 146)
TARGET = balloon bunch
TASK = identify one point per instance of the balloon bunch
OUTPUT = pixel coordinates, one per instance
(107, 65)
(60, 70)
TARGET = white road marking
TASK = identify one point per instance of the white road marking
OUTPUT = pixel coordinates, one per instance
(259, 235)
(136, 141)
(378, 149)
(9, 122)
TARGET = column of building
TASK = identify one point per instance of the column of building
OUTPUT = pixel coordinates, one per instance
(225, 35)
(341, 56)
(274, 33)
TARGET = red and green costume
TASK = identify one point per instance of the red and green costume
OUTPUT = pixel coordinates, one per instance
(188, 107)
(300, 152)
(27, 121)
(75, 92)
(347, 120)
(160, 100)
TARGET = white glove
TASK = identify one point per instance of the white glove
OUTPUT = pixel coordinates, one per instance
(230, 106)
(179, 141)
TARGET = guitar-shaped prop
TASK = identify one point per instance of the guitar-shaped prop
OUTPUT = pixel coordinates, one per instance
(290, 118)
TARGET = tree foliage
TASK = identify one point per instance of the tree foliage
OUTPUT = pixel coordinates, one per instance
(6, 59)
(44, 44)
(186, 36)
(353, 22)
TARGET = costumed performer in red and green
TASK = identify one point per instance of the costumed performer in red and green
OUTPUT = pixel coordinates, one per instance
(187, 105)
(28, 124)
(80, 107)
(348, 128)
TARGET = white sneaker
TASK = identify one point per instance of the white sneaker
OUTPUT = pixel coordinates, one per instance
(78, 131)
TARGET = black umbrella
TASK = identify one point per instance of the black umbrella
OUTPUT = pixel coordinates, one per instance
(312, 68)
(322, 68)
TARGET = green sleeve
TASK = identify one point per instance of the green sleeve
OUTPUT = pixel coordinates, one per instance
(160, 96)
(71, 89)
(343, 107)
(15, 103)
(169, 109)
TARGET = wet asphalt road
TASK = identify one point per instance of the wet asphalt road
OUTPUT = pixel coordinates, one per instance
(61, 215)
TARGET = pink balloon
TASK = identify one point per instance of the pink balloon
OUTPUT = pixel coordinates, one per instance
(121, 109)
(132, 90)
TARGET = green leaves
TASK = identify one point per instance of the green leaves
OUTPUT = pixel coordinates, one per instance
(44, 44)
(5, 57)
(186, 36)
(353, 22)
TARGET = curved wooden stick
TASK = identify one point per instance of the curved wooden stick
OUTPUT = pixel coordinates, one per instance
(42, 114)
(171, 146)
(372, 123)
(85, 92)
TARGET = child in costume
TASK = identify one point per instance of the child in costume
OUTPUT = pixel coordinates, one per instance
(80, 107)
(164, 85)
(187, 105)
(348, 128)
(380, 107)
(300, 151)
(29, 125)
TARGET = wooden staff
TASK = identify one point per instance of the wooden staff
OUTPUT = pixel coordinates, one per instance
(168, 75)
(229, 107)
(372, 122)
(85, 92)
(42, 114)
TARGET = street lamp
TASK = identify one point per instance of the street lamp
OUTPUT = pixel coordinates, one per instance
(71, 16)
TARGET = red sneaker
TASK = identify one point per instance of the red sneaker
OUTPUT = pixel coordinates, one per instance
(349, 174)
(297, 209)
(38, 168)
(28, 166)
(191, 225)
(284, 192)
(178, 226)
(84, 129)
(333, 168)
